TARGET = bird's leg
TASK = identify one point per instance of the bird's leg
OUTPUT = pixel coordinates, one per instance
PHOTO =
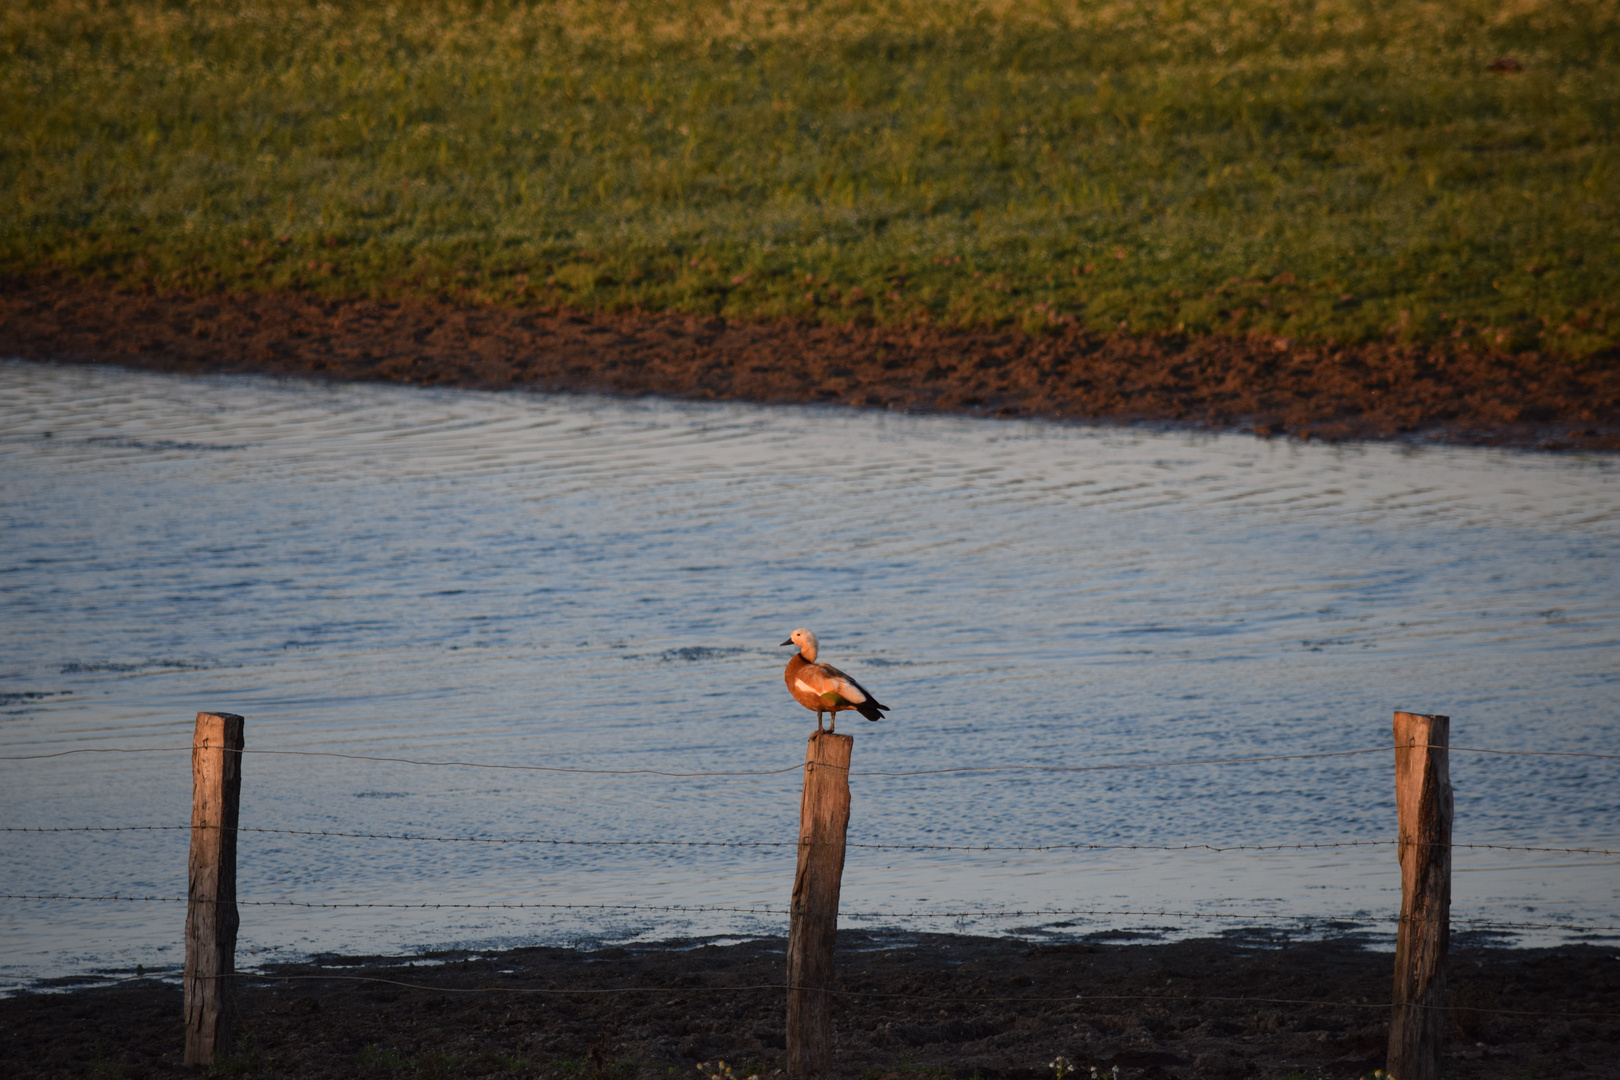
(832, 721)
(818, 722)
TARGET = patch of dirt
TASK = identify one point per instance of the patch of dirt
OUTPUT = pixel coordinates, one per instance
(912, 1006)
(1264, 385)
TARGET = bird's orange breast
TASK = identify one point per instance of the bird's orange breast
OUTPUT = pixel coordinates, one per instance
(802, 695)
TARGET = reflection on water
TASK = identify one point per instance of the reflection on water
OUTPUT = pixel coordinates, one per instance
(592, 583)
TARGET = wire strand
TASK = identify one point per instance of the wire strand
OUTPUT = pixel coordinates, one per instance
(987, 913)
(1080, 998)
(560, 842)
(1527, 753)
(794, 768)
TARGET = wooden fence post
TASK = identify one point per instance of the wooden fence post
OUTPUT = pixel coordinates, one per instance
(823, 824)
(211, 917)
(1424, 808)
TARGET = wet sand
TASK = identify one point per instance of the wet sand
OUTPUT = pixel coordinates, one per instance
(1269, 386)
(1247, 1005)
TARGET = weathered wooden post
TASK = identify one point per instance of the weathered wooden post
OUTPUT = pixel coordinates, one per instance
(823, 825)
(211, 917)
(1423, 806)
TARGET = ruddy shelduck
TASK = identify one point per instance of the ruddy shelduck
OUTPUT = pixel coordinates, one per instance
(822, 687)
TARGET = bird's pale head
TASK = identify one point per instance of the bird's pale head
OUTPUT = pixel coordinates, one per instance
(806, 641)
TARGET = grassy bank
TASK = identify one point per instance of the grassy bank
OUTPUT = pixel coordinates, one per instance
(1336, 170)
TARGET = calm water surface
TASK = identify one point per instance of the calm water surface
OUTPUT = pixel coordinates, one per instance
(593, 583)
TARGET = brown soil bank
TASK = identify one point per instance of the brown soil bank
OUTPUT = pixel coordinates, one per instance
(1271, 387)
(913, 1006)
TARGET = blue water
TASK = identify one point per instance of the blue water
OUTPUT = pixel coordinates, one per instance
(593, 583)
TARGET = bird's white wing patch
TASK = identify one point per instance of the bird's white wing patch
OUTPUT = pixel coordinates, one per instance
(819, 682)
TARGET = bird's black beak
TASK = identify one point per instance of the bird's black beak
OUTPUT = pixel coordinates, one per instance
(789, 641)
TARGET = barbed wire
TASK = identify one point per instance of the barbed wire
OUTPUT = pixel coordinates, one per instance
(561, 842)
(1079, 998)
(715, 774)
(105, 750)
(1526, 753)
(712, 773)
(410, 761)
(985, 913)
(1111, 766)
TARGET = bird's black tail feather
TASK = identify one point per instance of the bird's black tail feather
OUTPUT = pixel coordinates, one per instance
(871, 709)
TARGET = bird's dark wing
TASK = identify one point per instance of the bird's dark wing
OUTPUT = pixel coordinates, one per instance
(865, 704)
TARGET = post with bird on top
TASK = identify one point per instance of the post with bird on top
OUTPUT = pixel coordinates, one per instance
(1423, 806)
(823, 827)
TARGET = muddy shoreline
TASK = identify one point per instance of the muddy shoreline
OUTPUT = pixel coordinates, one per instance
(1245, 1005)
(1268, 386)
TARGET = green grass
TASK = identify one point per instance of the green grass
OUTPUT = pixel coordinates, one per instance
(1324, 170)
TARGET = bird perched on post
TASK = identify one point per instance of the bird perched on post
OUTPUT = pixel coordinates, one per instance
(822, 687)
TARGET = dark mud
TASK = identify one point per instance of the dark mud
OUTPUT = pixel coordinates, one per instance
(1249, 1006)
(1265, 385)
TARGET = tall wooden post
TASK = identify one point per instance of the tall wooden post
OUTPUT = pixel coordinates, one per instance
(211, 917)
(1423, 806)
(823, 825)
